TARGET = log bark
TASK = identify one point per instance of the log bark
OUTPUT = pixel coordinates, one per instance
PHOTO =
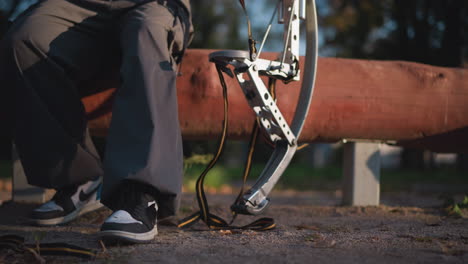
(405, 103)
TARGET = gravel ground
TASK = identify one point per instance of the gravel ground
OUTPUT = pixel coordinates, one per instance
(312, 228)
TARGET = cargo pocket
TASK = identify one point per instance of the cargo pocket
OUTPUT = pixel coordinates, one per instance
(175, 43)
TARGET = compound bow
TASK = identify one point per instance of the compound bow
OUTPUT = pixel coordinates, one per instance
(248, 67)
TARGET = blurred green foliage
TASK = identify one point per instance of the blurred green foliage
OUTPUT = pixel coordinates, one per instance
(301, 176)
(426, 31)
(217, 24)
(6, 168)
(453, 208)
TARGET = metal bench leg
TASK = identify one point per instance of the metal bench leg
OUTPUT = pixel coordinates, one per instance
(361, 173)
(22, 191)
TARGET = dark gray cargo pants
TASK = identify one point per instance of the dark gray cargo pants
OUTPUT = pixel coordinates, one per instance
(57, 44)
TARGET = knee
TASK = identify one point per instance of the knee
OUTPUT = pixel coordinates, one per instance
(142, 34)
(18, 48)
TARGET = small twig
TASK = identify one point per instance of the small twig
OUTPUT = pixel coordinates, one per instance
(38, 257)
(104, 253)
(104, 249)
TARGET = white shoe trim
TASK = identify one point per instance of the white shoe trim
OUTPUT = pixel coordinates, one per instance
(86, 187)
(155, 205)
(82, 207)
(134, 237)
(122, 217)
(71, 216)
(49, 206)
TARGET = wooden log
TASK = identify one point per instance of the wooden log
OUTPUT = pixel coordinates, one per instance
(392, 101)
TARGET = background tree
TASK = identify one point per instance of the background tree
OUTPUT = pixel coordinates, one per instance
(217, 24)
(425, 31)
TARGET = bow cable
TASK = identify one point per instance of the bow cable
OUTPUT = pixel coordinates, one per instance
(252, 42)
(267, 32)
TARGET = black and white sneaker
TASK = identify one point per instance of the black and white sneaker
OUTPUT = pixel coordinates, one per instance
(134, 223)
(69, 203)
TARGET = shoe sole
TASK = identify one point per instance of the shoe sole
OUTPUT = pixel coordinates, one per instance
(122, 236)
(71, 216)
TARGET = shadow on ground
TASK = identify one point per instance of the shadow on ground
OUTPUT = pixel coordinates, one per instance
(312, 227)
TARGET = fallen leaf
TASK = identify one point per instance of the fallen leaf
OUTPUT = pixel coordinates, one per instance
(225, 232)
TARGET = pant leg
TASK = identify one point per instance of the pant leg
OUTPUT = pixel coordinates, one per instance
(144, 143)
(44, 55)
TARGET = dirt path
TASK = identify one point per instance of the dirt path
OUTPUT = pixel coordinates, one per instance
(408, 228)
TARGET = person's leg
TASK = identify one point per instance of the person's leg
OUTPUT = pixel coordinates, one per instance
(46, 52)
(144, 147)
(43, 56)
